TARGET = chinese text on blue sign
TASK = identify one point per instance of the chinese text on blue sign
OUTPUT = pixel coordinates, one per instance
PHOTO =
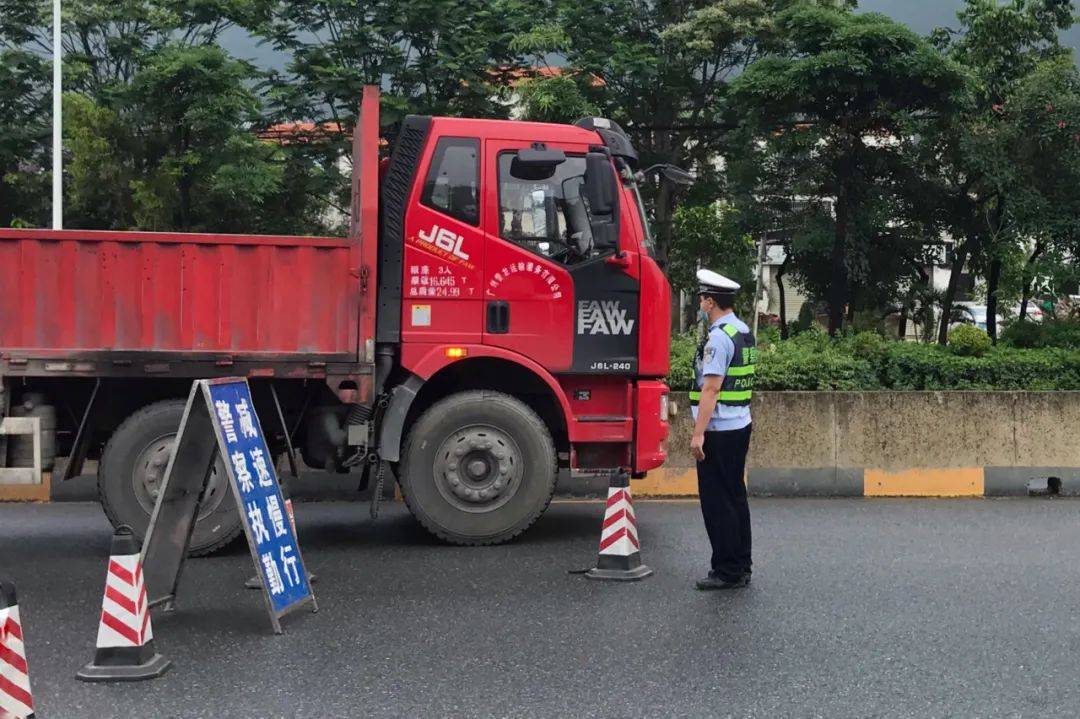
(262, 506)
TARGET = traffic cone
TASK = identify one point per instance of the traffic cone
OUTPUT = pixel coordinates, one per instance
(16, 701)
(125, 641)
(620, 551)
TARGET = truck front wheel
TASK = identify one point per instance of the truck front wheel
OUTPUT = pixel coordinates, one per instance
(478, 468)
(133, 467)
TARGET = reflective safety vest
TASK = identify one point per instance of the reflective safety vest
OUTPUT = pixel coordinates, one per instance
(738, 385)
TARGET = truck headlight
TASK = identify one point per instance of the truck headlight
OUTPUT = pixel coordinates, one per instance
(664, 407)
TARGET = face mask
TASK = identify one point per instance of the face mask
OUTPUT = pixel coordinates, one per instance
(702, 316)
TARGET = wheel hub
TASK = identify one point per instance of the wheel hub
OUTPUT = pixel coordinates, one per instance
(478, 469)
(149, 476)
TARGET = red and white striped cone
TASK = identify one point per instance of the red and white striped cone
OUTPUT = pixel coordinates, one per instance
(16, 701)
(620, 551)
(125, 641)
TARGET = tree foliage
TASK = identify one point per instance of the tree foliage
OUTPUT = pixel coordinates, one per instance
(838, 104)
(660, 70)
(438, 57)
(25, 113)
(982, 160)
(161, 125)
(850, 141)
(709, 237)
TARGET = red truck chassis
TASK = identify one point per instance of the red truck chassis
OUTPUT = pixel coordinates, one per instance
(493, 315)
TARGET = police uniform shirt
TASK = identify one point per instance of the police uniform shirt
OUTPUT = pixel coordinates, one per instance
(716, 358)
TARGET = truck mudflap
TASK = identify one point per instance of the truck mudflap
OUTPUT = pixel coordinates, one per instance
(393, 422)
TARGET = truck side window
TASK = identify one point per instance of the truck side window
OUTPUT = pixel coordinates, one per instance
(453, 182)
(549, 216)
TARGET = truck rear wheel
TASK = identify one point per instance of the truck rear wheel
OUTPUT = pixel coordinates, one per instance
(478, 468)
(133, 467)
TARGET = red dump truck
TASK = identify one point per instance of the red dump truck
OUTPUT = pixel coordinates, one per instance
(493, 316)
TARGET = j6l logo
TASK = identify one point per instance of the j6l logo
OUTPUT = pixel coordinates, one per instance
(444, 239)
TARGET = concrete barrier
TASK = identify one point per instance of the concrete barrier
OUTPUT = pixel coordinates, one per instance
(895, 444)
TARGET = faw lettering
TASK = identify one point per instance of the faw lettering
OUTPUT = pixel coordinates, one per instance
(444, 239)
(603, 317)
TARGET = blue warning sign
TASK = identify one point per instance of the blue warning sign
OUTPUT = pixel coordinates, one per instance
(250, 467)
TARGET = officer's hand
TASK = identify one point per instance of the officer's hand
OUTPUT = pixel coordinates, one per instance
(697, 446)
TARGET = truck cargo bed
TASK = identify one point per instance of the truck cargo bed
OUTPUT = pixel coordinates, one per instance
(112, 297)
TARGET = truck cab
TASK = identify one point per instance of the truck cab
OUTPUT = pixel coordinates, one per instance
(525, 271)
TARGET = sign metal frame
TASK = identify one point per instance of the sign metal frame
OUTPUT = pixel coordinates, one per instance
(199, 442)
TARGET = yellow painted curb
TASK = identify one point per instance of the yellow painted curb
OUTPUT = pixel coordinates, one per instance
(666, 482)
(27, 492)
(924, 482)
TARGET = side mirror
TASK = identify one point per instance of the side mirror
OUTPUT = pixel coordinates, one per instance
(672, 174)
(602, 193)
(677, 176)
(536, 163)
(600, 189)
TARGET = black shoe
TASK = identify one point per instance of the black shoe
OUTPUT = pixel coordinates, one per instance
(712, 582)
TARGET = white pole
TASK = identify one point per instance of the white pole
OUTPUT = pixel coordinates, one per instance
(757, 283)
(57, 136)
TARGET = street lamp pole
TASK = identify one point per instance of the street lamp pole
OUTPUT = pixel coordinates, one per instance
(57, 136)
(759, 279)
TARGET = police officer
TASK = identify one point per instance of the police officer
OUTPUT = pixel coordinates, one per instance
(720, 398)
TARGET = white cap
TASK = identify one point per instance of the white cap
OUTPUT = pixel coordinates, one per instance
(710, 282)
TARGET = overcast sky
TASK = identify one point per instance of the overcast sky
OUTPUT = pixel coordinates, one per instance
(921, 15)
(924, 15)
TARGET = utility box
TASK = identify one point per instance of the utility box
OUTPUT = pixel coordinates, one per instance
(23, 483)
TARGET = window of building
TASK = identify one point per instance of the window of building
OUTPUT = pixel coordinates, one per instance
(548, 216)
(453, 182)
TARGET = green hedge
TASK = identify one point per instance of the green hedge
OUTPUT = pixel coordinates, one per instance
(1064, 334)
(811, 361)
(921, 367)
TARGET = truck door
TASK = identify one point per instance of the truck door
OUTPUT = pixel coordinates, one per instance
(548, 294)
(442, 269)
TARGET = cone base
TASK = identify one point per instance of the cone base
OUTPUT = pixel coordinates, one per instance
(619, 575)
(155, 667)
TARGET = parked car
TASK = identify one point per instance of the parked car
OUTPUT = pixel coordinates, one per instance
(974, 314)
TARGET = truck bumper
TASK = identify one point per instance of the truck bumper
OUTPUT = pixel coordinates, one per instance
(651, 427)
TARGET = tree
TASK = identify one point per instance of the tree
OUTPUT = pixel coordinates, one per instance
(25, 115)
(1043, 117)
(860, 87)
(435, 57)
(439, 57)
(175, 147)
(709, 237)
(549, 92)
(161, 125)
(766, 188)
(180, 135)
(661, 71)
(984, 185)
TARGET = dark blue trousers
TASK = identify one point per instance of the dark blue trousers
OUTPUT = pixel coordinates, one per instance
(723, 501)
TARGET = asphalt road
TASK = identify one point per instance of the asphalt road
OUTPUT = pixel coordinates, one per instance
(859, 608)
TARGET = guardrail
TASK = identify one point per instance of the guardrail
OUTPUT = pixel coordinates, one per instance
(939, 444)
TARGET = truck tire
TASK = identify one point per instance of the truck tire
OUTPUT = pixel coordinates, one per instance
(478, 468)
(133, 465)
